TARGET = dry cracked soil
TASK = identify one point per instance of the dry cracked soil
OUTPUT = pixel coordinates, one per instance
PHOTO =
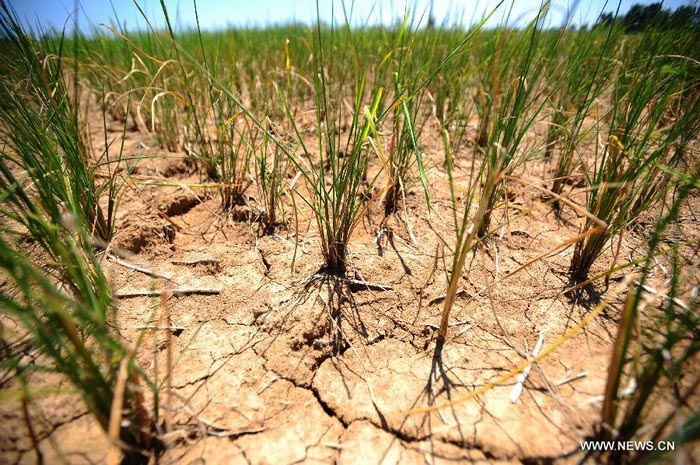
(262, 360)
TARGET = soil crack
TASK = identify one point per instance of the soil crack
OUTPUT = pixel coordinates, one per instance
(328, 410)
(314, 391)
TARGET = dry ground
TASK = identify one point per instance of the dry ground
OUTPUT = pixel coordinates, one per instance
(252, 374)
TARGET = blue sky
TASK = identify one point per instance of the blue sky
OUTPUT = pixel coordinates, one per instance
(217, 14)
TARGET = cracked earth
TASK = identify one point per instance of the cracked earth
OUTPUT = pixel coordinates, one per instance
(278, 365)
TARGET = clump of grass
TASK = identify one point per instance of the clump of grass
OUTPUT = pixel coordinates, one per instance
(413, 64)
(585, 77)
(48, 196)
(233, 150)
(57, 324)
(666, 348)
(637, 144)
(518, 106)
(220, 134)
(43, 133)
(336, 176)
(271, 167)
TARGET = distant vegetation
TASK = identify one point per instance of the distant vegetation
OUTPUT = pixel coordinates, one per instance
(653, 16)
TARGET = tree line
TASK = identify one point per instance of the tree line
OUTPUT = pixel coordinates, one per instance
(653, 16)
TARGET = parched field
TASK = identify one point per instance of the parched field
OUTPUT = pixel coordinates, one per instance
(349, 245)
